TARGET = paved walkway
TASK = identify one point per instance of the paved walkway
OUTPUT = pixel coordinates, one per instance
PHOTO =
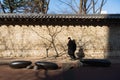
(69, 71)
(81, 73)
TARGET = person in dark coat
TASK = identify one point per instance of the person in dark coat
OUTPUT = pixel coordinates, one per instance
(71, 48)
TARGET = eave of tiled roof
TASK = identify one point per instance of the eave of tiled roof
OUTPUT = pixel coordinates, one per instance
(58, 19)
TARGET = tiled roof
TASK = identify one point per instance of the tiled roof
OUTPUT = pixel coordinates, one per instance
(90, 16)
(51, 19)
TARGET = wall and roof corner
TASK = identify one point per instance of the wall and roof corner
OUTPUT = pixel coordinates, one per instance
(27, 34)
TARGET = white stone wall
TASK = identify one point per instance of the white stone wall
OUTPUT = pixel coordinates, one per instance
(32, 41)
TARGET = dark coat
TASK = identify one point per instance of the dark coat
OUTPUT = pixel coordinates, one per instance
(71, 46)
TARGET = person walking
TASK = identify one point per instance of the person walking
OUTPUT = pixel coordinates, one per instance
(71, 48)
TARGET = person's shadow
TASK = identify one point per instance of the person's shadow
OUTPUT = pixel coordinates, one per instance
(46, 77)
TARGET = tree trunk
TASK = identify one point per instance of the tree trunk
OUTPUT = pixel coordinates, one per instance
(84, 6)
(55, 48)
(10, 7)
(46, 9)
(93, 5)
(101, 6)
(2, 8)
(47, 52)
(81, 8)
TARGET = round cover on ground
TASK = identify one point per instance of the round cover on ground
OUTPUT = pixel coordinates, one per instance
(96, 62)
(20, 64)
(46, 65)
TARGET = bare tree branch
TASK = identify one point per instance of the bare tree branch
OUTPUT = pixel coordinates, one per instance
(52, 32)
(89, 6)
(86, 6)
(70, 5)
(2, 7)
(47, 5)
(76, 4)
(102, 4)
(40, 35)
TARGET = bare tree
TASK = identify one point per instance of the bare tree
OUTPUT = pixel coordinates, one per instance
(12, 6)
(37, 6)
(85, 6)
(52, 32)
(53, 38)
(28, 6)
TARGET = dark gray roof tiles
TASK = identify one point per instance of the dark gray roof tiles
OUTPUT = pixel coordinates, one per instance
(92, 16)
(59, 19)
